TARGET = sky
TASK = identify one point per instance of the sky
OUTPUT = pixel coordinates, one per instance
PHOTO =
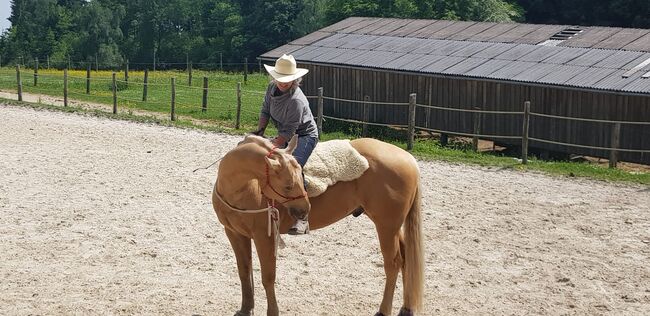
(5, 11)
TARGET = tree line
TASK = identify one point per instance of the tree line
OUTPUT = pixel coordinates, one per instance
(109, 32)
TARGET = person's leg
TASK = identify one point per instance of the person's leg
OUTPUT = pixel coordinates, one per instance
(302, 152)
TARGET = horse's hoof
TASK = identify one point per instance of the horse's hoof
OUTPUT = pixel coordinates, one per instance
(405, 312)
(379, 314)
(240, 313)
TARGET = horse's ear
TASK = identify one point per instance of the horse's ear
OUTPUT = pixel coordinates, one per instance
(272, 163)
(292, 144)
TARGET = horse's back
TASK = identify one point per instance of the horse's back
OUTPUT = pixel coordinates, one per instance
(388, 163)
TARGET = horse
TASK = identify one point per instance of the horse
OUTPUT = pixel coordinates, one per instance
(255, 175)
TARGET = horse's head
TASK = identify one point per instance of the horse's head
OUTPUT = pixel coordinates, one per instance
(284, 181)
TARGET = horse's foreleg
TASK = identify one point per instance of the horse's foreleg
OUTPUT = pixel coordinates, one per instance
(242, 247)
(390, 249)
(266, 252)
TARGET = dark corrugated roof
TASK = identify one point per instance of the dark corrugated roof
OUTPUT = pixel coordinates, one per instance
(450, 48)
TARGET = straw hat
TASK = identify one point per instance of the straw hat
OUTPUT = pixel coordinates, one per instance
(285, 69)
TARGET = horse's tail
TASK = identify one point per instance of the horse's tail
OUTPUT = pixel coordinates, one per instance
(414, 256)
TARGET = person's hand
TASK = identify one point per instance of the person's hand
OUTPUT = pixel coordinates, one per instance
(259, 132)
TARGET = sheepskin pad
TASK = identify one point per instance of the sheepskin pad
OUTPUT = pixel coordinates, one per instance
(330, 162)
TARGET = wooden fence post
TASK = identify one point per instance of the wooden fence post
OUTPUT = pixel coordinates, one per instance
(173, 118)
(615, 143)
(146, 84)
(524, 137)
(221, 62)
(189, 79)
(477, 129)
(238, 105)
(114, 94)
(65, 87)
(126, 72)
(88, 79)
(48, 62)
(35, 72)
(204, 105)
(19, 83)
(96, 63)
(259, 64)
(366, 115)
(320, 112)
(411, 128)
(245, 70)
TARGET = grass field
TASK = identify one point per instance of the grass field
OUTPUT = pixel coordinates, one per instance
(222, 101)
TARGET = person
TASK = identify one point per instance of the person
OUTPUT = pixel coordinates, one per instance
(286, 105)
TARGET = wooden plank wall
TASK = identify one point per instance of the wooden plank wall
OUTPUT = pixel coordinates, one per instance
(348, 83)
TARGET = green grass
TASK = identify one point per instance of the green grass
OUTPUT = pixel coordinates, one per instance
(222, 110)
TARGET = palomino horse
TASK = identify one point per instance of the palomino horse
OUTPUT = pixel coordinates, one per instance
(255, 175)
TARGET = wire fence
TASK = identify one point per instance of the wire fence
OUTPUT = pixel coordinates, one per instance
(237, 107)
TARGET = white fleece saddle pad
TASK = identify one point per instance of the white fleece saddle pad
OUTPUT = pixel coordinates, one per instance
(330, 162)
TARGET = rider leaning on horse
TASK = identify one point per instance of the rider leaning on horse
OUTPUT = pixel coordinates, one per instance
(286, 105)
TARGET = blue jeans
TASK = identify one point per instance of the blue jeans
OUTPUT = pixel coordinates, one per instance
(306, 145)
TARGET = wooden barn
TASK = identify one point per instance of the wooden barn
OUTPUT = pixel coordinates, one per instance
(587, 86)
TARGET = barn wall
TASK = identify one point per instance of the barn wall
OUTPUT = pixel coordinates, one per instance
(351, 83)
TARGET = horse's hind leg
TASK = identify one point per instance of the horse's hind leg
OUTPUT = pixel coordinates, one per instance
(242, 247)
(389, 241)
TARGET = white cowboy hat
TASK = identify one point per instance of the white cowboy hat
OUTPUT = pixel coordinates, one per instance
(285, 69)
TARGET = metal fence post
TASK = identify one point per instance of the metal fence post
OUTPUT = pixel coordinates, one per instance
(19, 83)
(145, 85)
(411, 128)
(366, 115)
(114, 94)
(615, 142)
(238, 105)
(524, 137)
(204, 104)
(126, 72)
(173, 116)
(320, 112)
(65, 87)
(189, 79)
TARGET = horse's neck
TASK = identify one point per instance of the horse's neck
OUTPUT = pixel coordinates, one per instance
(238, 184)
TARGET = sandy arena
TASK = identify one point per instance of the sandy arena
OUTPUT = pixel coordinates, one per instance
(106, 217)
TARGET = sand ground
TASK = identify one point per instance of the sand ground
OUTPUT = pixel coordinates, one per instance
(101, 216)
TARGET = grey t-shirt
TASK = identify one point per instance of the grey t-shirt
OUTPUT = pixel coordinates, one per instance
(290, 113)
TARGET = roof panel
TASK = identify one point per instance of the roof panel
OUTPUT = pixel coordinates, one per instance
(495, 31)
(589, 77)
(636, 61)
(389, 26)
(618, 59)
(345, 56)
(328, 53)
(533, 74)
(311, 38)
(472, 30)
(622, 38)
(641, 44)
(590, 36)
(591, 57)
(516, 52)
(541, 53)
(472, 49)
(352, 41)
(638, 84)
(449, 48)
(493, 50)
(427, 46)
(334, 40)
(566, 55)
(431, 28)
(464, 66)
(510, 69)
(539, 35)
(373, 58)
(380, 22)
(439, 65)
(411, 27)
(399, 63)
(487, 67)
(343, 24)
(284, 49)
(400, 44)
(360, 25)
(423, 61)
(615, 81)
(452, 29)
(307, 53)
(561, 74)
